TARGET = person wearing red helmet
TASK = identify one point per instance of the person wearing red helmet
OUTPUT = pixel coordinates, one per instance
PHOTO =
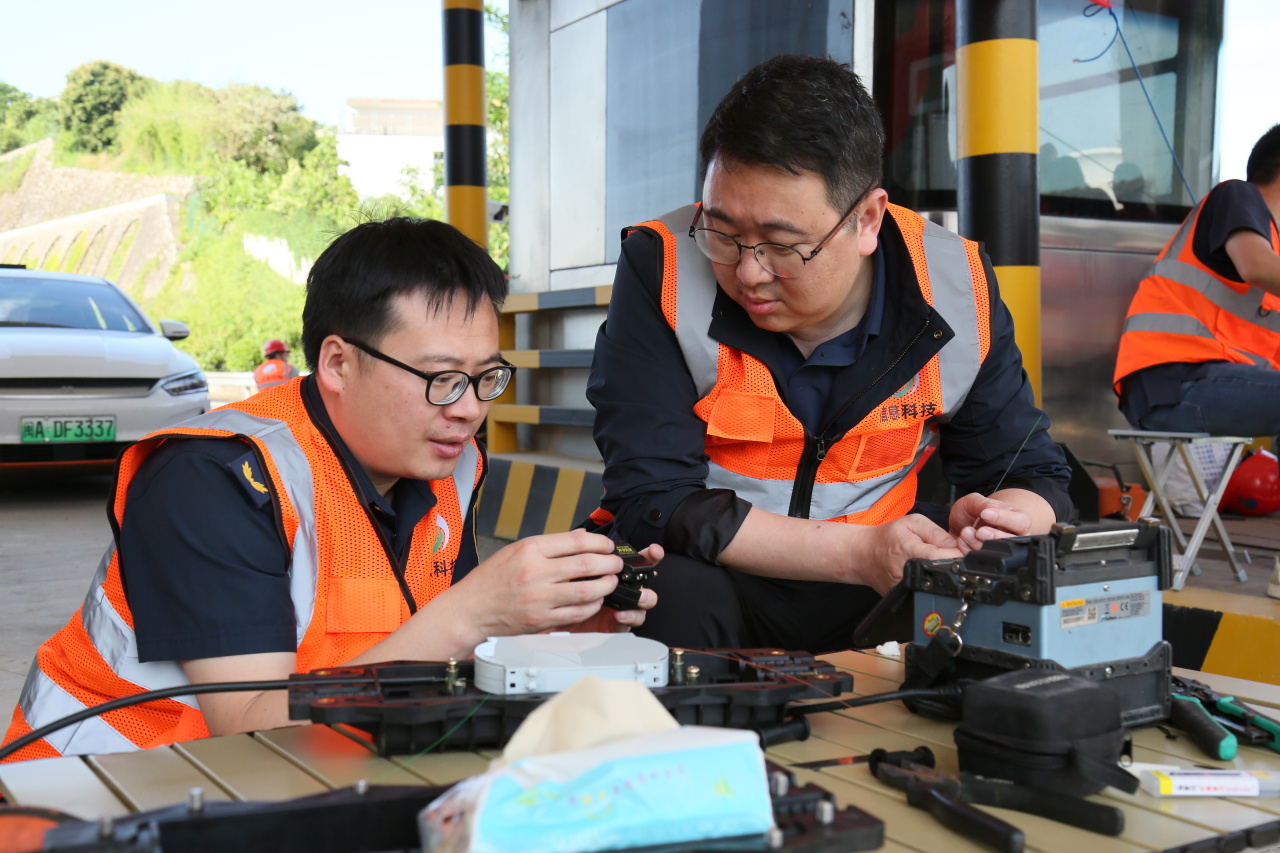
(276, 370)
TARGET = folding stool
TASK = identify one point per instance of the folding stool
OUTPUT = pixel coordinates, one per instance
(1156, 470)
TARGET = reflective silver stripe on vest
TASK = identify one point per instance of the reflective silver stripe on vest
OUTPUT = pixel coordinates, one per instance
(295, 472)
(830, 500)
(1244, 306)
(43, 701)
(695, 297)
(951, 281)
(1178, 324)
(952, 286)
(464, 478)
(117, 644)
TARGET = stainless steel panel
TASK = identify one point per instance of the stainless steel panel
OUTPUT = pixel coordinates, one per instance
(577, 140)
(1089, 272)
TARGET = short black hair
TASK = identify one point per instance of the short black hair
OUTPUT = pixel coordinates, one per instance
(351, 284)
(801, 113)
(1264, 159)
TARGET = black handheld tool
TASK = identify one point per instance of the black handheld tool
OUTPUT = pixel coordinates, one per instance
(636, 572)
(951, 798)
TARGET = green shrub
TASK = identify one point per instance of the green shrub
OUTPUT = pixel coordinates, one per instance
(13, 170)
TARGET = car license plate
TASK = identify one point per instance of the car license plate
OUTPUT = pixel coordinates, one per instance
(69, 429)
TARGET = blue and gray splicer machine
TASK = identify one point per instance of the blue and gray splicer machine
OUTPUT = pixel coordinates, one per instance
(1086, 598)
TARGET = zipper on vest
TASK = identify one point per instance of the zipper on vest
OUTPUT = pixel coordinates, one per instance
(816, 447)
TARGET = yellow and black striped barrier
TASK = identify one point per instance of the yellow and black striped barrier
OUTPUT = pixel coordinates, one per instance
(525, 499)
(466, 194)
(1224, 633)
(547, 300)
(997, 141)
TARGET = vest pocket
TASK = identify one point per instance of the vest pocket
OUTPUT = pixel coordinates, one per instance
(885, 451)
(364, 606)
(740, 432)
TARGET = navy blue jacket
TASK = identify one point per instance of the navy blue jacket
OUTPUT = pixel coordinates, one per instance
(653, 443)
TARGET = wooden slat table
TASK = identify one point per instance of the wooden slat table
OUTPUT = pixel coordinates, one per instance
(288, 763)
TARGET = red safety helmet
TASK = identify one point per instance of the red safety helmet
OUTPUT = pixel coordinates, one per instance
(1254, 487)
(272, 347)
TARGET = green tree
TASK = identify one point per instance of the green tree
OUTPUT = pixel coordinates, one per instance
(92, 99)
(170, 128)
(497, 85)
(314, 186)
(263, 129)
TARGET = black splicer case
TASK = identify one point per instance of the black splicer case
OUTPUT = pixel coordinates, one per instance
(1046, 729)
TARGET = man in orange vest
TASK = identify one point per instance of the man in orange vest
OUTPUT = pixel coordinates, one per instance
(778, 359)
(1200, 350)
(325, 521)
(276, 370)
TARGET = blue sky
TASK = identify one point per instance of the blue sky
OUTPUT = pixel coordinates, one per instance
(322, 51)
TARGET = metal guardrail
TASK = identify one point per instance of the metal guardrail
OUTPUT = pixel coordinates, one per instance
(230, 387)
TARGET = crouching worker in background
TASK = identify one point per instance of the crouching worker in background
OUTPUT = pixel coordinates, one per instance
(327, 521)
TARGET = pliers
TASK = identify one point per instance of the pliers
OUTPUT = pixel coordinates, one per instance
(1217, 722)
(950, 797)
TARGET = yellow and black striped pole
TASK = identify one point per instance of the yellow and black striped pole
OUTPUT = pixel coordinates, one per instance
(466, 187)
(998, 196)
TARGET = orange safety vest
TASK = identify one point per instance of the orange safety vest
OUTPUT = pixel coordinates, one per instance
(345, 594)
(273, 372)
(1185, 312)
(754, 442)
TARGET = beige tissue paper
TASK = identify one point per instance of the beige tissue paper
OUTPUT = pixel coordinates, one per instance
(592, 712)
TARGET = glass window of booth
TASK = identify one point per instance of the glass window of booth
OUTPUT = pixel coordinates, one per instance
(1102, 153)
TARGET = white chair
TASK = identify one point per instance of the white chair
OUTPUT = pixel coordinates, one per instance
(1156, 466)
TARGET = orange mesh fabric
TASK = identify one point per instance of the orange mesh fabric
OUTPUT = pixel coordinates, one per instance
(356, 579)
(981, 297)
(1159, 294)
(751, 432)
(670, 274)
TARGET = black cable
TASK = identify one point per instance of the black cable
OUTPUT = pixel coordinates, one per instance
(950, 691)
(186, 690)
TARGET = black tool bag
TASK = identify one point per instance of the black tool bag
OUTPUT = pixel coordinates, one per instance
(1046, 729)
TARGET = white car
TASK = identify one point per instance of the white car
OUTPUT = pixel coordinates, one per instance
(83, 371)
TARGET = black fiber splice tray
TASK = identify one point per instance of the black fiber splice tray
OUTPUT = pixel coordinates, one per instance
(385, 818)
(412, 706)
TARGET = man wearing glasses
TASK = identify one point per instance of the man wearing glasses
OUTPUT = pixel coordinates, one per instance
(322, 522)
(777, 360)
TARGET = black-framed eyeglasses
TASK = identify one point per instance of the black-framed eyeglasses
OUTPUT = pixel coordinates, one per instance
(780, 259)
(448, 386)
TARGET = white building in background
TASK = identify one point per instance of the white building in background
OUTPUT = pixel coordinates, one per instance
(379, 137)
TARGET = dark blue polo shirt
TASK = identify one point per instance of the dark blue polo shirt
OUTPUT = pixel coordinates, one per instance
(808, 381)
(205, 567)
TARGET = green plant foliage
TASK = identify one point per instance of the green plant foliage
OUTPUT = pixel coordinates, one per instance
(76, 253)
(249, 304)
(262, 129)
(24, 119)
(121, 252)
(315, 187)
(93, 97)
(13, 170)
(232, 188)
(171, 128)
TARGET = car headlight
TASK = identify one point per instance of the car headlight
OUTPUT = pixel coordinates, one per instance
(186, 383)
